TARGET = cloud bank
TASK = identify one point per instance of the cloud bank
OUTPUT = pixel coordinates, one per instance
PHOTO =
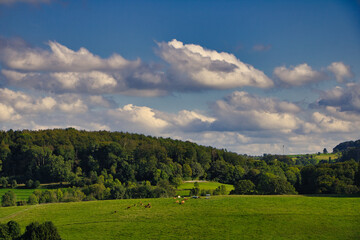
(57, 87)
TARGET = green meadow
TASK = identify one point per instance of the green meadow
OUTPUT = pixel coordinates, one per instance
(220, 217)
(184, 189)
(21, 194)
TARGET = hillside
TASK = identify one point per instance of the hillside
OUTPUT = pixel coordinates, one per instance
(111, 165)
(231, 217)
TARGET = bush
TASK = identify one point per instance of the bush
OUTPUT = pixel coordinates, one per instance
(195, 191)
(244, 187)
(36, 231)
(4, 232)
(21, 203)
(13, 184)
(8, 199)
(36, 184)
(29, 183)
(33, 199)
(13, 229)
(4, 182)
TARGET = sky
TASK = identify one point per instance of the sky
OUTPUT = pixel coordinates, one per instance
(252, 77)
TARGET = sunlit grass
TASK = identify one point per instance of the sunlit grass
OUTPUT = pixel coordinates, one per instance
(220, 217)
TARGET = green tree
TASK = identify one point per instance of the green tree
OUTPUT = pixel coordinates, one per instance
(36, 231)
(29, 183)
(8, 199)
(36, 184)
(272, 184)
(4, 232)
(33, 199)
(4, 182)
(13, 229)
(13, 184)
(244, 187)
(187, 171)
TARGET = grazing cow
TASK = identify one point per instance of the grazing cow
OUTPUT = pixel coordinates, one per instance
(148, 205)
(177, 201)
(128, 207)
(182, 202)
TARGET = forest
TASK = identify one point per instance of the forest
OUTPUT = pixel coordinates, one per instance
(113, 165)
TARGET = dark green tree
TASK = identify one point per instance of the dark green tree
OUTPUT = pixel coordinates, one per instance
(8, 199)
(244, 187)
(13, 229)
(36, 231)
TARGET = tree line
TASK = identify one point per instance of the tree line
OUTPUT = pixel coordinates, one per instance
(126, 165)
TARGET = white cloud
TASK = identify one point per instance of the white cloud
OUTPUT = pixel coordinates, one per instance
(7, 113)
(60, 69)
(346, 99)
(73, 106)
(331, 124)
(19, 56)
(193, 66)
(298, 75)
(242, 111)
(137, 119)
(340, 70)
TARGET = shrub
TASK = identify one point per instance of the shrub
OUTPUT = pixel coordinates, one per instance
(13, 184)
(13, 229)
(36, 231)
(244, 187)
(4, 182)
(36, 184)
(21, 203)
(29, 183)
(4, 231)
(33, 199)
(8, 199)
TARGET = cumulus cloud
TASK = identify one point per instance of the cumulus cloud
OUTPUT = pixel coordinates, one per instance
(16, 54)
(20, 110)
(151, 121)
(298, 75)
(345, 98)
(340, 70)
(331, 124)
(242, 111)
(193, 66)
(62, 70)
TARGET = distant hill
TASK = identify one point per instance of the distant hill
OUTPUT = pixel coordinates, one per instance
(345, 145)
(349, 150)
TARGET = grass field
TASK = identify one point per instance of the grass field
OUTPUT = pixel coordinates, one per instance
(318, 157)
(184, 189)
(220, 217)
(21, 194)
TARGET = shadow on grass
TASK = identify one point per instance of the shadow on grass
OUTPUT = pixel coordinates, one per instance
(332, 195)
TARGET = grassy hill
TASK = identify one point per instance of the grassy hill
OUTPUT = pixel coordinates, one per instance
(220, 217)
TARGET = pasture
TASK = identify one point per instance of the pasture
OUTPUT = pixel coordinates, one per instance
(220, 217)
(184, 189)
(21, 194)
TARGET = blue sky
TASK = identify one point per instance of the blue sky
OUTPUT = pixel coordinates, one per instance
(249, 76)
